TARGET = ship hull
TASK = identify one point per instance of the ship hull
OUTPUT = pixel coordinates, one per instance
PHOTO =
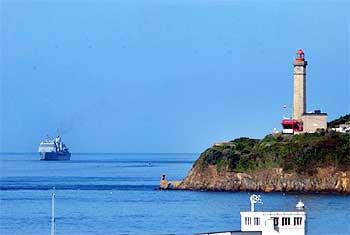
(55, 156)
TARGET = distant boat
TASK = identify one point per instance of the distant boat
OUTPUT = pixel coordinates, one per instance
(53, 150)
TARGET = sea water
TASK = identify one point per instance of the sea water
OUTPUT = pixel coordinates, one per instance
(116, 194)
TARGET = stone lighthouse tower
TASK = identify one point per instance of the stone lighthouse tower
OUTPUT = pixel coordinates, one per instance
(299, 99)
(302, 121)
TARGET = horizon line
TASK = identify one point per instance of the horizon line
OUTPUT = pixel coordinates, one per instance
(105, 153)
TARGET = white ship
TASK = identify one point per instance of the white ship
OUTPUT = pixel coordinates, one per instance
(53, 150)
(269, 223)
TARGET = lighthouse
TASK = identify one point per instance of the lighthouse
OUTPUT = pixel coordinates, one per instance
(302, 121)
(299, 99)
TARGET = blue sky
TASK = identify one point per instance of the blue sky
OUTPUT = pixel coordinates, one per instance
(164, 76)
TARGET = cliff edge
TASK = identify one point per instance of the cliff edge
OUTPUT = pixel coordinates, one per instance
(317, 162)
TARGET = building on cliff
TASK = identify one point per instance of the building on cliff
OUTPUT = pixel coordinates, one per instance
(302, 121)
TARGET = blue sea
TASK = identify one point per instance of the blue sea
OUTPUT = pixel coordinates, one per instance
(116, 194)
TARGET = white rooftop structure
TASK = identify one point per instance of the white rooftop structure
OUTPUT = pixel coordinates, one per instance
(269, 223)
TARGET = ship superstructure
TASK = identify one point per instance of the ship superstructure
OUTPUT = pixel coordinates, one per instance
(269, 223)
(53, 149)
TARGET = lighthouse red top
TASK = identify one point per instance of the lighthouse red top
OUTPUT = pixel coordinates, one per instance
(300, 55)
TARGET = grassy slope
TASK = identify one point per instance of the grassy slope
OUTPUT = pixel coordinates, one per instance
(300, 153)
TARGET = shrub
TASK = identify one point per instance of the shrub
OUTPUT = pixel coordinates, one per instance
(302, 153)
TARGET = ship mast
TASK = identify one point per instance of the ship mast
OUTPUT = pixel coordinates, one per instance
(53, 225)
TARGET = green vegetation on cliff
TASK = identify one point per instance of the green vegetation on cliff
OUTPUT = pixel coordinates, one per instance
(302, 153)
(317, 162)
(342, 120)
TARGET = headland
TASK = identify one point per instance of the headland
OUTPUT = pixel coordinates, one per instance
(308, 162)
(308, 155)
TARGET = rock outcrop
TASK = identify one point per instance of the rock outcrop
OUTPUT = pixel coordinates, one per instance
(318, 162)
(271, 180)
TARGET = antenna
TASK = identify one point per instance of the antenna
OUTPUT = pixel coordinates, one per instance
(253, 200)
(53, 225)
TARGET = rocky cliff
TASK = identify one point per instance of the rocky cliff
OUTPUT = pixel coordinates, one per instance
(318, 162)
(272, 180)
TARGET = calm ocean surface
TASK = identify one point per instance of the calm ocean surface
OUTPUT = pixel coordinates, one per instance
(114, 194)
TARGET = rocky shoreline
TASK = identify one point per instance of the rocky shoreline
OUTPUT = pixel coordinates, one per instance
(274, 180)
(311, 163)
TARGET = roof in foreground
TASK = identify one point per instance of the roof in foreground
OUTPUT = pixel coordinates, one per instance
(274, 212)
(230, 233)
